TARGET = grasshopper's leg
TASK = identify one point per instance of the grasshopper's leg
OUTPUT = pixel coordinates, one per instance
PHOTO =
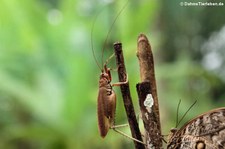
(118, 126)
(114, 127)
(107, 61)
(121, 83)
(122, 133)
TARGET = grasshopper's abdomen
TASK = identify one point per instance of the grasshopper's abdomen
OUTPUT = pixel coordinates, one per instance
(106, 106)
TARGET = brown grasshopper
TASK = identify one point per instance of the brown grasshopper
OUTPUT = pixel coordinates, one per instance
(106, 102)
(106, 107)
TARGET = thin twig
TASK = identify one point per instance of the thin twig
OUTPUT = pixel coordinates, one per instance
(135, 131)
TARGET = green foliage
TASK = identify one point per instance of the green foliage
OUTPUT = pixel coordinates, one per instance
(49, 81)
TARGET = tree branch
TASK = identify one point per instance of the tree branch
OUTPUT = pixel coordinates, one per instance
(135, 131)
(149, 105)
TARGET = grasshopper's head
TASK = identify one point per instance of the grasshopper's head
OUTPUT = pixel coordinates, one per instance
(105, 78)
(106, 74)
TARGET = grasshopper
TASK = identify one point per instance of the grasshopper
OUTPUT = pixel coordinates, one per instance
(106, 102)
(106, 105)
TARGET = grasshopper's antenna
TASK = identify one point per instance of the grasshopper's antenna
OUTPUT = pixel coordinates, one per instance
(110, 30)
(186, 113)
(92, 46)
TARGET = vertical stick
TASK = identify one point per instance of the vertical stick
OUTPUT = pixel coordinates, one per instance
(135, 131)
(149, 105)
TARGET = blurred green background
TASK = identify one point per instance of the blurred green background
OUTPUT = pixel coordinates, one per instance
(49, 80)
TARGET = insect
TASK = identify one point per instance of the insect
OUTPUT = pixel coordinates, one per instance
(206, 131)
(106, 103)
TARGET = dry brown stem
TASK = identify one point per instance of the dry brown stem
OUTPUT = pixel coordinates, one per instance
(150, 113)
(131, 116)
